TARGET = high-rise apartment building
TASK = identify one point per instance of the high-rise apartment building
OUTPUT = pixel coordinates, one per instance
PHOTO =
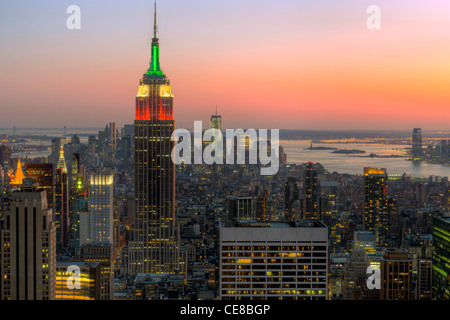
(261, 260)
(154, 243)
(28, 248)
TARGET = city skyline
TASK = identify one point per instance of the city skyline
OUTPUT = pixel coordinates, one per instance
(142, 211)
(327, 59)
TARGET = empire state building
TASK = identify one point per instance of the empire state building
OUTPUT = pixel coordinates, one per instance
(154, 241)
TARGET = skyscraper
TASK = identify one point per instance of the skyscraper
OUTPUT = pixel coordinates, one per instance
(61, 205)
(396, 275)
(44, 174)
(417, 151)
(376, 204)
(18, 175)
(216, 121)
(311, 197)
(56, 147)
(261, 260)
(241, 208)
(100, 216)
(154, 241)
(330, 214)
(291, 197)
(441, 255)
(28, 251)
(5, 156)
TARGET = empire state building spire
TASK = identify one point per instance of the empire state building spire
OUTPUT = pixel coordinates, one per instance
(155, 68)
(155, 25)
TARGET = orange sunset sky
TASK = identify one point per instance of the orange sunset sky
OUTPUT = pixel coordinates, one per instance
(286, 64)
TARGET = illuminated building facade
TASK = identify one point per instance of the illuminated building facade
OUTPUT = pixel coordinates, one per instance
(18, 177)
(80, 206)
(311, 189)
(330, 214)
(441, 257)
(28, 248)
(376, 204)
(104, 255)
(91, 279)
(101, 209)
(291, 197)
(367, 241)
(261, 261)
(61, 205)
(44, 174)
(396, 275)
(154, 241)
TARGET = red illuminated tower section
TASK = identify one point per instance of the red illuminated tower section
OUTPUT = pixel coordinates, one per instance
(154, 239)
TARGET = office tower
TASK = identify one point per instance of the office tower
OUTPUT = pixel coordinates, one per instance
(216, 121)
(61, 205)
(56, 148)
(311, 196)
(5, 156)
(330, 214)
(96, 226)
(367, 241)
(291, 197)
(424, 279)
(154, 242)
(28, 251)
(44, 174)
(241, 208)
(18, 176)
(80, 208)
(396, 275)
(91, 280)
(104, 254)
(75, 168)
(375, 204)
(262, 212)
(275, 260)
(441, 256)
(61, 160)
(355, 268)
(417, 151)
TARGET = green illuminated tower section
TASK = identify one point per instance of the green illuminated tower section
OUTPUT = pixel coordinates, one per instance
(154, 238)
(441, 259)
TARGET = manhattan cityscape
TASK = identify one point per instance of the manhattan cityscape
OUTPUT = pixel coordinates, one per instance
(160, 188)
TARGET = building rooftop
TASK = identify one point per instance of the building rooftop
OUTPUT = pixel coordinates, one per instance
(275, 224)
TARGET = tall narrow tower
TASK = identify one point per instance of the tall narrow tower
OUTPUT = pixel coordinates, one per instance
(155, 237)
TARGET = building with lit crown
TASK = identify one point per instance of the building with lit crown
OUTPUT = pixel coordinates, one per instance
(154, 240)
